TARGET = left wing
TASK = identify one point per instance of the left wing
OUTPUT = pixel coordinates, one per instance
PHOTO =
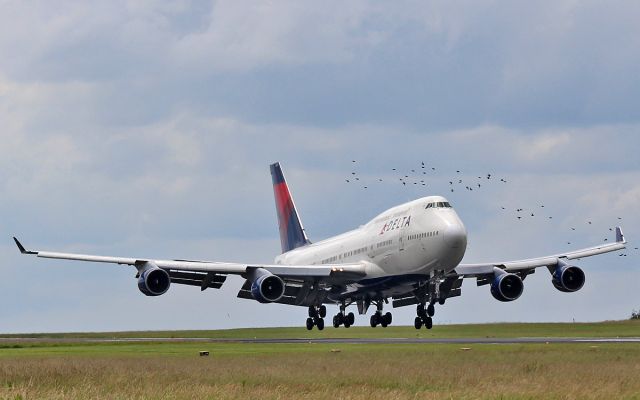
(475, 270)
(505, 277)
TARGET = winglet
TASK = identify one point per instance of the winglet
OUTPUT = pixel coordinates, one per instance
(22, 249)
(620, 236)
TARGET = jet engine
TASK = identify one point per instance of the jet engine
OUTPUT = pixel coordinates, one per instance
(506, 286)
(153, 281)
(567, 278)
(266, 287)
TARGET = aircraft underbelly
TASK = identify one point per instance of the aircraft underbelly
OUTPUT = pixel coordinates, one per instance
(383, 287)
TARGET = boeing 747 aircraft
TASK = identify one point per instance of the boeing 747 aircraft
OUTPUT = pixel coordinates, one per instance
(409, 254)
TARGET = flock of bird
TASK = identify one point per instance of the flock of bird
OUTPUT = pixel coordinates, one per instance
(419, 177)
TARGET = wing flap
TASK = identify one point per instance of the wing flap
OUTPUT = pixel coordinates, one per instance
(195, 283)
(202, 280)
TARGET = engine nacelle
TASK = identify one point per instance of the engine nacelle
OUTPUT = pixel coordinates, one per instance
(267, 287)
(154, 281)
(506, 286)
(567, 278)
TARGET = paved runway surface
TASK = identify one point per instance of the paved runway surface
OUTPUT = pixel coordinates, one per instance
(333, 340)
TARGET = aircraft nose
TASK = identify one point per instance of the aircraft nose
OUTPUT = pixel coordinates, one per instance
(455, 235)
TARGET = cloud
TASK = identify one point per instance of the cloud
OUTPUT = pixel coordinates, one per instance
(427, 66)
(148, 127)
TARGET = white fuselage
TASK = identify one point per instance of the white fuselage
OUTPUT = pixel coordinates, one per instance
(414, 238)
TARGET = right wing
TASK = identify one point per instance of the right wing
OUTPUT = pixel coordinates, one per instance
(212, 274)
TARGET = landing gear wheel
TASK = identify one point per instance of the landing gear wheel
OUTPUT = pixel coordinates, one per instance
(373, 321)
(320, 324)
(309, 324)
(428, 323)
(312, 312)
(388, 318)
(346, 323)
(441, 302)
(417, 323)
(336, 321)
(431, 310)
(351, 318)
(322, 311)
(420, 311)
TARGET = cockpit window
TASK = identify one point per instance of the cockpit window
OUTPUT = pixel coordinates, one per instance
(438, 204)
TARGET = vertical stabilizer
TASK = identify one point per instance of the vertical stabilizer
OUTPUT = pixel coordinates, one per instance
(292, 234)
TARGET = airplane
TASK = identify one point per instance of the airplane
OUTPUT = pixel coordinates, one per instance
(410, 254)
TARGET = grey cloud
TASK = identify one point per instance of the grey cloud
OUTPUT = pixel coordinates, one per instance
(147, 129)
(429, 66)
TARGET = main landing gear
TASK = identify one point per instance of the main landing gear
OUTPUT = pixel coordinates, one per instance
(380, 319)
(343, 319)
(424, 316)
(316, 317)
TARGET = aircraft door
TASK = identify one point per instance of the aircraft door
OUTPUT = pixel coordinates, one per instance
(402, 233)
(401, 239)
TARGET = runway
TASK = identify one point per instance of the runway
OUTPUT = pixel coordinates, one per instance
(381, 341)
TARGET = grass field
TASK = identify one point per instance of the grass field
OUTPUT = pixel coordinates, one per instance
(319, 371)
(629, 328)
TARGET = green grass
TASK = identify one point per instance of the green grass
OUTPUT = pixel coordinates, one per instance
(319, 371)
(630, 328)
(174, 370)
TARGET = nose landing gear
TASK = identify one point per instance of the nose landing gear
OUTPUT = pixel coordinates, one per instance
(425, 311)
(424, 316)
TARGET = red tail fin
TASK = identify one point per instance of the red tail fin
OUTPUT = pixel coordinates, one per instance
(292, 234)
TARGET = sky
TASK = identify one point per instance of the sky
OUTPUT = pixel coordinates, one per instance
(146, 129)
